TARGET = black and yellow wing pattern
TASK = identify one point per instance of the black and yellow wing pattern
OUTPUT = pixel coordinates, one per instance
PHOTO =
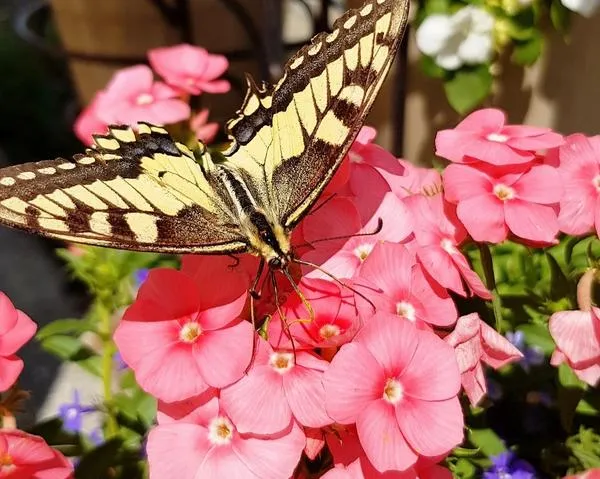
(294, 135)
(141, 190)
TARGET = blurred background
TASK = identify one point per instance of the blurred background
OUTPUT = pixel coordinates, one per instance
(55, 55)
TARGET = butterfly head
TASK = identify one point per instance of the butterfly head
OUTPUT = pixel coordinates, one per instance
(270, 240)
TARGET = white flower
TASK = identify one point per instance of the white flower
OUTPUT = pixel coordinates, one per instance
(459, 39)
(583, 7)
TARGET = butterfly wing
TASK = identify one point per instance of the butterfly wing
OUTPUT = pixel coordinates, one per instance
(290, 139)
(139, 191)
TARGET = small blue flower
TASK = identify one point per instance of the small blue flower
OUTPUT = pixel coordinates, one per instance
(532, 355)
(508, 466)
(494, 389)
(140, 276)
(96, 437)
(119, 363)
(72, 413)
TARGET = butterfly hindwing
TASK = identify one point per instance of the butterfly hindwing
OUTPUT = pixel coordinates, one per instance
(292, 137)
(131, 191)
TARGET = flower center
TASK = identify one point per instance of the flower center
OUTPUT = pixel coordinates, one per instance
(596, 182)
(363, 251)
(281, 362)
(144, 99)
(329, 331)
(497, 137)
(6, 462)
(355, 157)
(190, 332)
(406, 310)
(393, 391)
(504, 192)
(448, 245)
(220, 431)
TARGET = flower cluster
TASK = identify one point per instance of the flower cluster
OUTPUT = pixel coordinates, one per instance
(460, 43)
(133, 94)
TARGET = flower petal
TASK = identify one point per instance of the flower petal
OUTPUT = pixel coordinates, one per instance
(531, 221)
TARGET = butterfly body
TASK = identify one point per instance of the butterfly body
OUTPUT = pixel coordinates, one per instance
(139, 189)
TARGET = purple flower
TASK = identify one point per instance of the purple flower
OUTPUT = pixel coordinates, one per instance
(119, 363)
(140, 276)
(96, 437)
(508, 466)
(532, 355)
(72, 413)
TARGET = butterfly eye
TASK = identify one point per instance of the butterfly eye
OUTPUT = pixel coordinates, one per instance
(275, 263)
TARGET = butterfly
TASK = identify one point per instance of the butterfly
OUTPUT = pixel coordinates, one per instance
(139, 189)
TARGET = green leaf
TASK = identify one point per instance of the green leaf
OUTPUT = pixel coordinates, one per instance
(92, 364)
(528, 51)
(65, 347)
(64, 327)
(96, 463)
(487, 441)
(431, 68)
(146, 408)
(538, 335)
(560, 16)
(463, 469)
(570, 392)
(560, 286)
(467, 88)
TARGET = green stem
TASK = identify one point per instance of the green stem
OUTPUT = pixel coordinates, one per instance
(105, 326)
(487, 263)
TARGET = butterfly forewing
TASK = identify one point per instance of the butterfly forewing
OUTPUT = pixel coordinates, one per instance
(292, 138)
(132, 191)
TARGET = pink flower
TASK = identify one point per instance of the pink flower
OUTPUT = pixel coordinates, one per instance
(178, 341)
(577, 338)
(132, 95)
(335, 321)
(589, 474)
(475, 342)
(283, 389)
(438, 239)
(372, 169)
(88, 123)
(341, 219)
(492, 202)
(191, 69)
(212, 446)
(484, 136)
(15, 330)
(580, 172)
(388, 381)
(204, 131)
(397, 285)
(24, 456)
(415, 180)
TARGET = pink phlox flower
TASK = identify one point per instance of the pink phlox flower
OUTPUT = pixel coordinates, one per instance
(212, 446)
(589, 474)
(395, 283)
(389, 383)
(475, 342)
(353, 224)
(16, 328)
(88, 123)
(24, 456)
(335, 321)
(284, 389)
(484, 136)
(415, 181)
(132, 95)
(372, 168)
(190, 68)
(438, 238)
(493, 202)
(178, 341)
(580, 173)
(196, 410)
(577, 338)
(204, 130)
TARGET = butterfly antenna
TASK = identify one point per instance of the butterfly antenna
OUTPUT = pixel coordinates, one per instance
(334, 278)
(377, 229)
(282, 317)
